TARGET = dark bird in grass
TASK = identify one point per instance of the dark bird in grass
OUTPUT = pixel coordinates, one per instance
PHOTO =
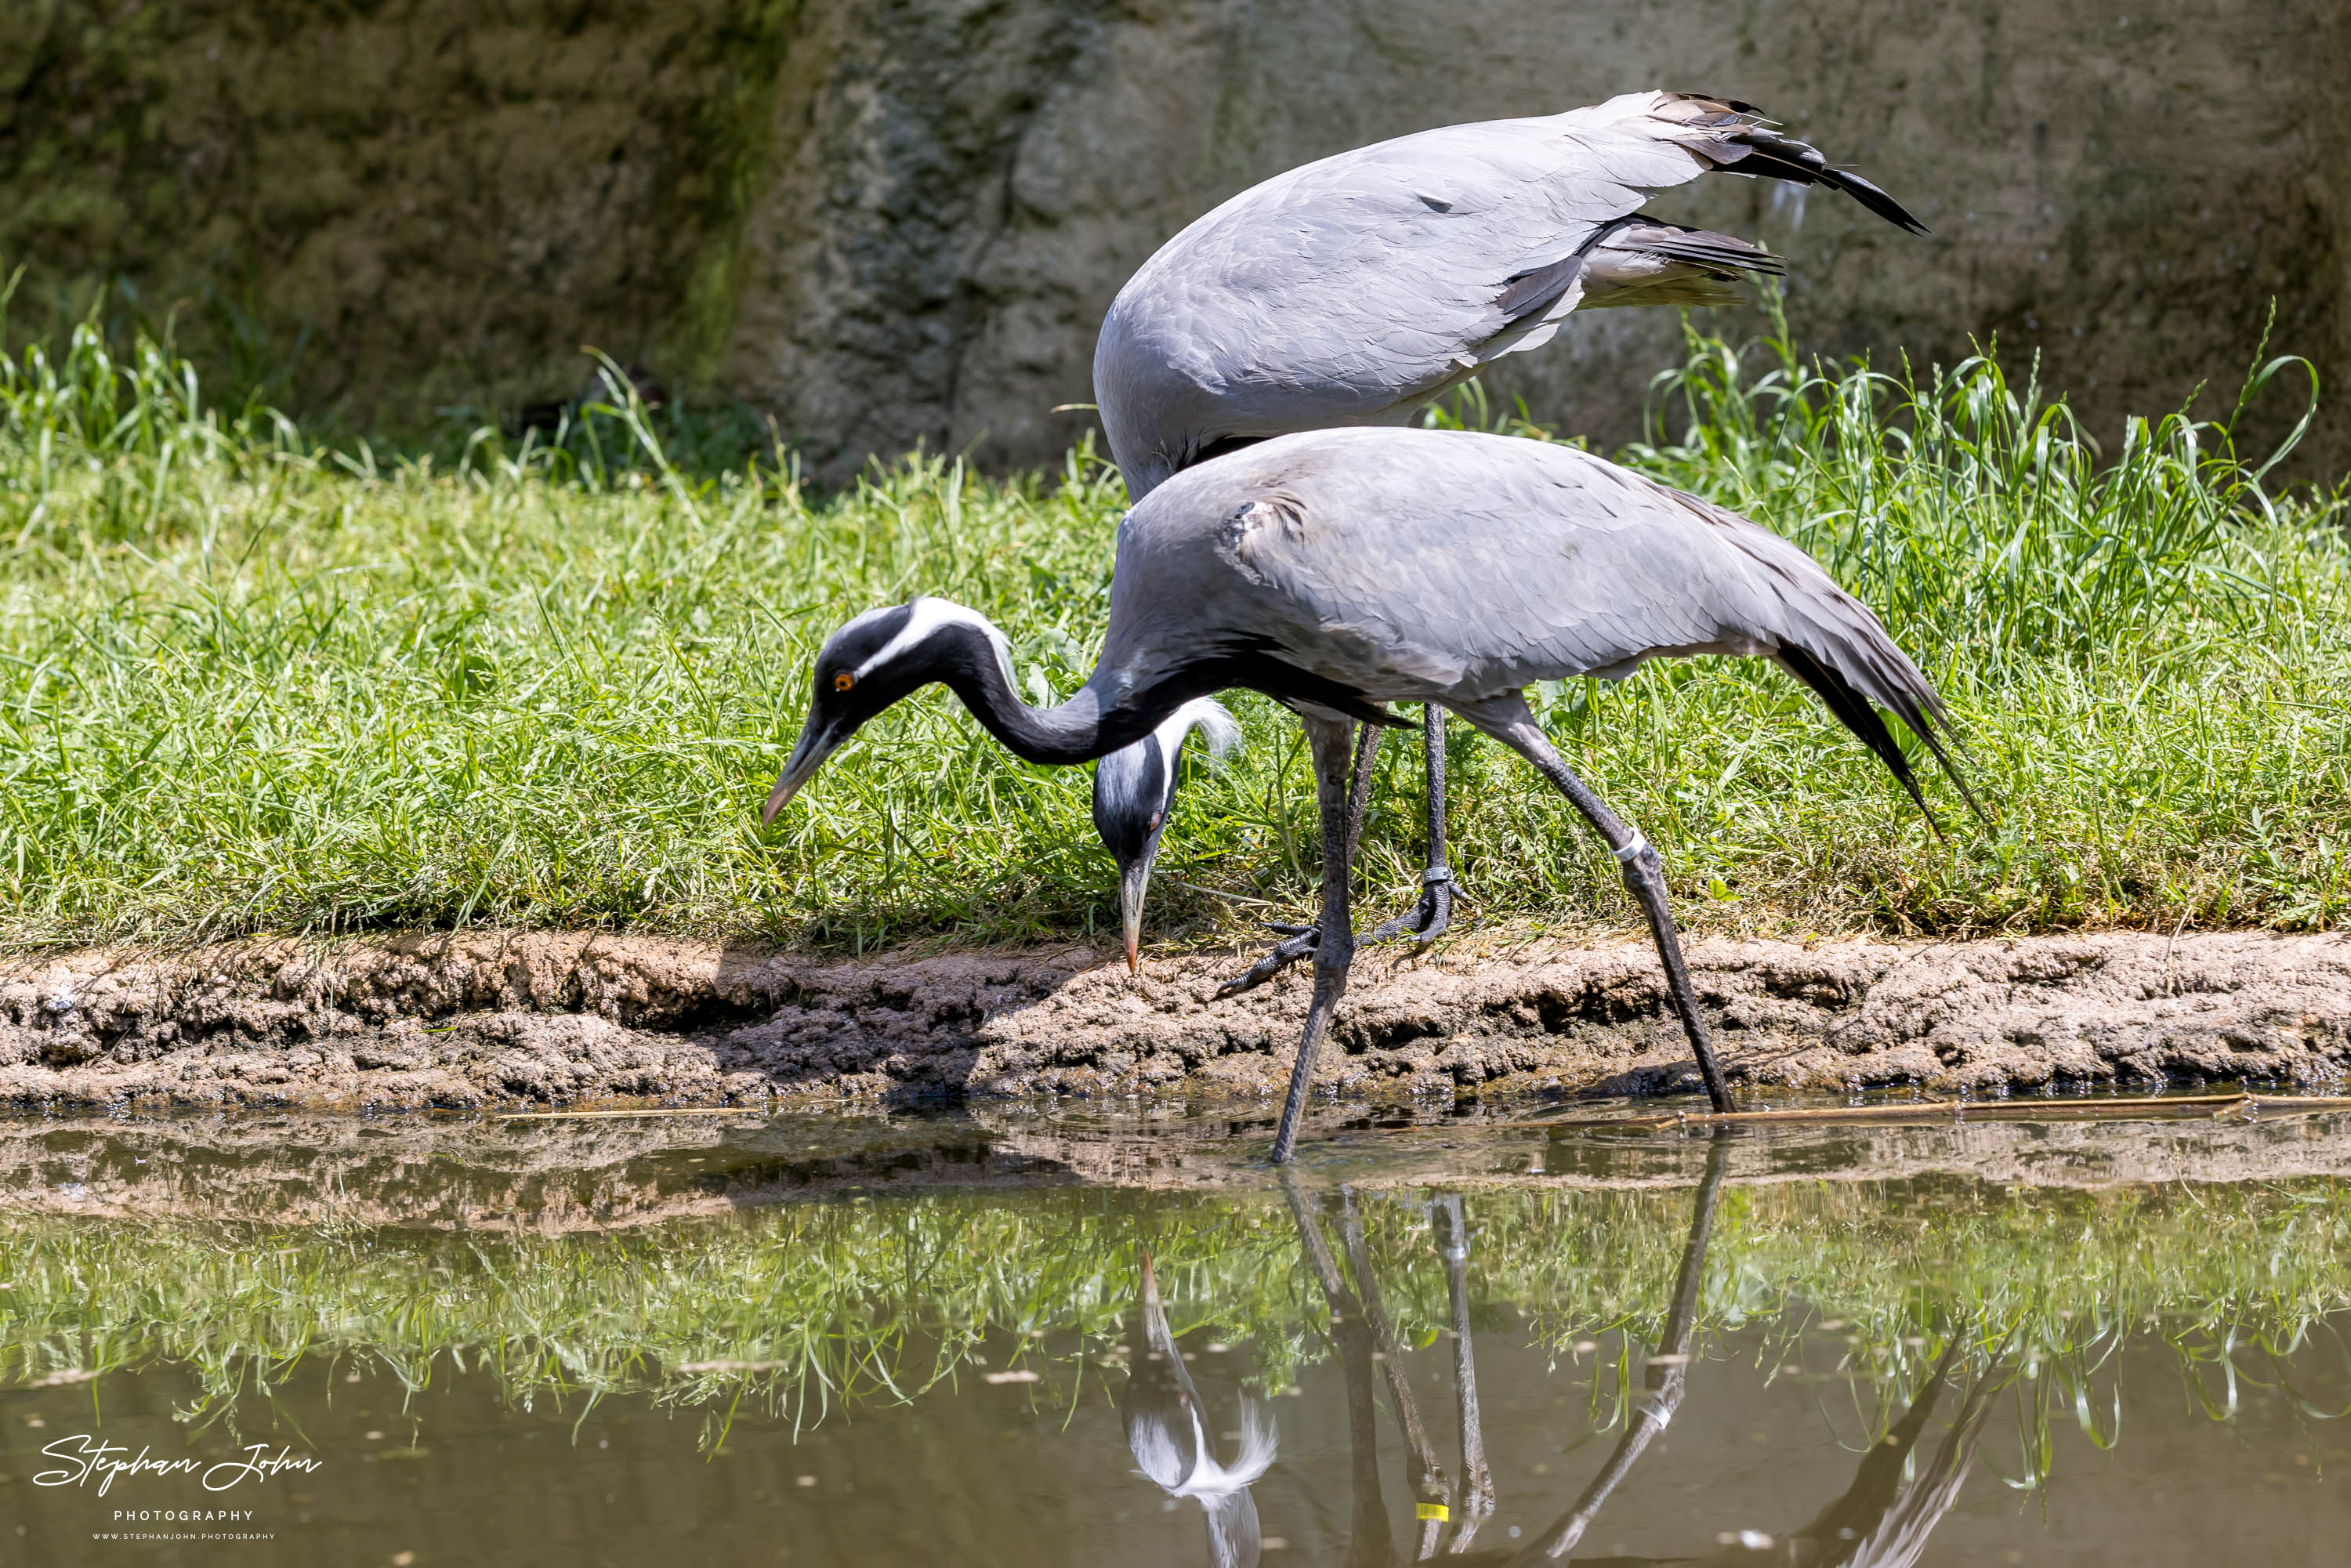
(1134, 790)
(1355, 291)
(1341, 570)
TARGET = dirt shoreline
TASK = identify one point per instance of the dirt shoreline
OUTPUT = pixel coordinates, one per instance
(482, 1019)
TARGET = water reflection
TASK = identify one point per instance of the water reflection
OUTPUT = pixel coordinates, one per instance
(1665, 1372)
(1703, 1364)
(1167, 1430)
(1361, 1336)
(1882, 1521)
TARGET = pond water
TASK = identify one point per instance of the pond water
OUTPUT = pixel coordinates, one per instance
(943, 1340)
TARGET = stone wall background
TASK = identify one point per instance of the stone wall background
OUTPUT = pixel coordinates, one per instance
(892, 222)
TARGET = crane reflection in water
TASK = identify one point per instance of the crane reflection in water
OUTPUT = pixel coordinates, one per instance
(1882, 1520)
(1167, 1428)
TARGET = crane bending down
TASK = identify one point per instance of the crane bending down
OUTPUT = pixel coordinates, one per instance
(1354, 290)
(1340, 570)
(1134, 791)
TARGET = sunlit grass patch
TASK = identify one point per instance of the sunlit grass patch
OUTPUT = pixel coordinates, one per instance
(253, 681)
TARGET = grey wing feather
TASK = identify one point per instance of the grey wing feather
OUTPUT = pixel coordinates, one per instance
(1448, 566)
(1638, 263)
(1351, 290)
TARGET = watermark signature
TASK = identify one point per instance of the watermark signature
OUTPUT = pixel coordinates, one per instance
(87, 1459)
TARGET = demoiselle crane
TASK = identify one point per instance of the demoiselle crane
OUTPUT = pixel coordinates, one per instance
(1343, 570)
(1355, 291)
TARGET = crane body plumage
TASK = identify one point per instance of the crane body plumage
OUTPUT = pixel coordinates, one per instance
(1352, 290)
(1457, 568)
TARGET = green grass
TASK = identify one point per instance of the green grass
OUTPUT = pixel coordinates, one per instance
(810, 1308)
(251, 680)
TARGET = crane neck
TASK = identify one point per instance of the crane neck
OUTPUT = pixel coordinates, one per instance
(1077, 730)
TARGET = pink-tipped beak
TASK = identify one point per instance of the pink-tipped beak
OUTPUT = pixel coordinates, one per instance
(1133, 880)
(778, 798)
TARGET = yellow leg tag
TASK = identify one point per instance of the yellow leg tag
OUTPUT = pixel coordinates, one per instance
(1429, 1511)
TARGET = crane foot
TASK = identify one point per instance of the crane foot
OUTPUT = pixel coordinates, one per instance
(1429, 918)
(1298, 943)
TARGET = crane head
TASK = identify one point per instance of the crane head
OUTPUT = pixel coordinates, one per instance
(874, 660)
(1134, 790)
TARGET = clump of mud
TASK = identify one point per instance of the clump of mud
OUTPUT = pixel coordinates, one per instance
(562, 1018)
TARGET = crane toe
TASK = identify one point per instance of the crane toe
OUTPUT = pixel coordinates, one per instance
(1428, 919)
(1298, 943)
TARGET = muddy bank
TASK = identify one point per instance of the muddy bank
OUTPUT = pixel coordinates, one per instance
(563, 1019)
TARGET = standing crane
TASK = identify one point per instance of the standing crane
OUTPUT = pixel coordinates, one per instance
(1341, 570)
(1355, 290)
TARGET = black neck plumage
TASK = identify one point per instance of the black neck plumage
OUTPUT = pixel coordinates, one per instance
(1085, 727)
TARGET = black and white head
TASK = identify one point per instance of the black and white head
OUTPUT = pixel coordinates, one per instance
(1134, 790)
(878, 658)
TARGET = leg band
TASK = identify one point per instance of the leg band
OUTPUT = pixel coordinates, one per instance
(1626, 856)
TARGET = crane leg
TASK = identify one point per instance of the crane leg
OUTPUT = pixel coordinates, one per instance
(1645, 878)
(1335, 951)
(1430, 918)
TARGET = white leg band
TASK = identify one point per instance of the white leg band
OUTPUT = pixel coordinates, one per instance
(1625, 855)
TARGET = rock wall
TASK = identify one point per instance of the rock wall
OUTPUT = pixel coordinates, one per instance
(886, 222)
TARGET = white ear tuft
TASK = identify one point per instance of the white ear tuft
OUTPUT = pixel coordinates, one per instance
(1219, 728)
(926, 615)
(1257, 1442)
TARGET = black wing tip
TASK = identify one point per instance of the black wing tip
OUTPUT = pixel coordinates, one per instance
(1781, 157)
(1873, 199)
(1856, 713)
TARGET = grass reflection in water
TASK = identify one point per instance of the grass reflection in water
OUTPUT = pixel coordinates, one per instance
(797, 1311)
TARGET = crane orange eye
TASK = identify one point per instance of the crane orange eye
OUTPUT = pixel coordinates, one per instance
(843, 681)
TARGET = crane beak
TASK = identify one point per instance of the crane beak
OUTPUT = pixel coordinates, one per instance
(1133, 881)
(800, 766)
